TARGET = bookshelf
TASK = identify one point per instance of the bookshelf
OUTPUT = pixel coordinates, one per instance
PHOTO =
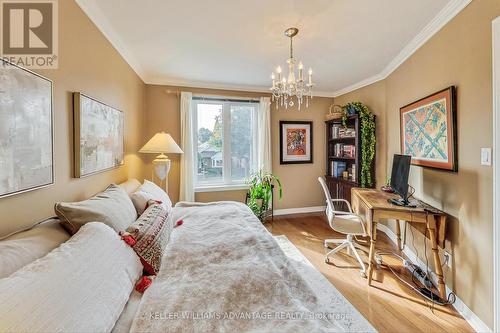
(343, 154)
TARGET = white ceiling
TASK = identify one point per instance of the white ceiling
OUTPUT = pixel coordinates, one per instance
(236, 44)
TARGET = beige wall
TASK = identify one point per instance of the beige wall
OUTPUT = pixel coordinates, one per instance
(300, 181)
(87, 63)
(301, 189)
(460, 54)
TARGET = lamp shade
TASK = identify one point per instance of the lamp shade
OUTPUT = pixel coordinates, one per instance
(161, 143)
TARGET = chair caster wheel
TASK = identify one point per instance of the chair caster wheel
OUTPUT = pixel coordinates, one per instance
(327, 260)
(363, 275)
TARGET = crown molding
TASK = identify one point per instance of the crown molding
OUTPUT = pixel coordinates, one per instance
(444, 16)
(219, 86)
(90, 8)
(439, 21)
(93, 12)
(358, 85)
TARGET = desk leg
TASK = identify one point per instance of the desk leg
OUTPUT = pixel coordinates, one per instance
(372, 252)
(437, 263)
(398, 233)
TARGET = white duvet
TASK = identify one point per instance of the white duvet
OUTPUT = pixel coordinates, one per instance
(224, 272)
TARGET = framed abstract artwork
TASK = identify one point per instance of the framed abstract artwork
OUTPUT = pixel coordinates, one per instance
(26, 130)
(98, 136)
(429, 130)
(296, 142)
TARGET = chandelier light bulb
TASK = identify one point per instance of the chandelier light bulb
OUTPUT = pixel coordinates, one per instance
(278, 70)
(300, 65)
(273, 77)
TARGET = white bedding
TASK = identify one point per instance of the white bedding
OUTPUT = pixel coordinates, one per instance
(222, 264)
(82, 286)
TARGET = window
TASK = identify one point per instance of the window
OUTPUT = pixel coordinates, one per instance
(225, 134)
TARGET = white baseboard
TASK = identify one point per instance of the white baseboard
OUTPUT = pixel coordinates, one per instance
(477, 324)
(302, 210)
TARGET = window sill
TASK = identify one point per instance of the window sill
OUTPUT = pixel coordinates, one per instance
(219, 188)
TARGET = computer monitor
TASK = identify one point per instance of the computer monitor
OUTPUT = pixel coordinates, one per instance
(399, 178)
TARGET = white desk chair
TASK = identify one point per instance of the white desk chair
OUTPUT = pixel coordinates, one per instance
(343, 222)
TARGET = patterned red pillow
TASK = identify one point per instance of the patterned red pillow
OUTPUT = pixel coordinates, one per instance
(151, 233)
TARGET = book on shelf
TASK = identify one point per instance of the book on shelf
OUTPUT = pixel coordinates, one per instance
(343, 150)
(349, 151)
(338, 168)
(341, 132)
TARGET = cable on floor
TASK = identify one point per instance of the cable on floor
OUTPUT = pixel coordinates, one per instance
(414, 285)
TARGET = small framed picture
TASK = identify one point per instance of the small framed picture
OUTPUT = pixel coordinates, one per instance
(296, 142)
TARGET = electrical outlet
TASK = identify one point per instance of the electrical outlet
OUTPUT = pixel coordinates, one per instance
(448, 258)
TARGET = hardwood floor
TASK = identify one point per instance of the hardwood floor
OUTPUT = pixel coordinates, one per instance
(389, 305)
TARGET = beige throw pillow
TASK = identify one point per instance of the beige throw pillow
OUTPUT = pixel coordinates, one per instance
(112, 207)
(150, 191)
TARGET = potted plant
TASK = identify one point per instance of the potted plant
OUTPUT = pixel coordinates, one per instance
(260, 193)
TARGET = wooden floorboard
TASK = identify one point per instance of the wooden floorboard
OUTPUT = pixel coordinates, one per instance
(389, 305)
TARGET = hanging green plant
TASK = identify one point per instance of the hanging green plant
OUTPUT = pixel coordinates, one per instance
(368, 139)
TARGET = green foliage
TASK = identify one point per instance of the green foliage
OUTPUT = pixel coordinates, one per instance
(216, 138)
(368, 139)
(204, 134)
(260, 192)
(241, 131)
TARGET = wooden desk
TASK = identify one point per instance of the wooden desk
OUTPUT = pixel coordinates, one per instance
(372, 205)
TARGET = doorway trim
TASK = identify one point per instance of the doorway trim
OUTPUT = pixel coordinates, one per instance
(496, 172)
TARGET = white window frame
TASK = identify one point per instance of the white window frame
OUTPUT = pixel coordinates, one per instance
(226, 184)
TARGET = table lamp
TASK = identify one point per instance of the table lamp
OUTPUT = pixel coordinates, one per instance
(161, 143)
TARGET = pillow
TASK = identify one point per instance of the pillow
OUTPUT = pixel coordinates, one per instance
(25, 247)
(150, 191)
(112, 207)
(150, 234)
(140, 200)
(130, 185)
(82, 286)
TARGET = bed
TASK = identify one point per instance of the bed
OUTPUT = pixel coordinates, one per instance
(224, 272)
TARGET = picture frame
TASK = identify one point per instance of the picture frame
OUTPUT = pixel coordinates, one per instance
(26, 130)
(428, 130)
(98, 136)
(296, 142)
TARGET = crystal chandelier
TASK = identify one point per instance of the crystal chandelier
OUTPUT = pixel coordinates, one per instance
(284, 89)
